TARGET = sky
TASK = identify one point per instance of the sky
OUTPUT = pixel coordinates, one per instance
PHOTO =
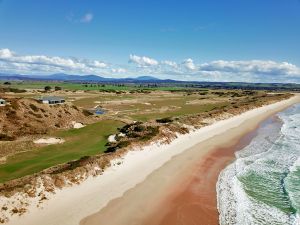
(201, 40)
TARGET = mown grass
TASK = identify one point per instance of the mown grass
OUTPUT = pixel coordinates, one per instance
(86, 141)
(186, 110)
(85, 87)
(158, 106)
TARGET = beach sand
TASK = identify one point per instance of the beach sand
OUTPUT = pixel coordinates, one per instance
(131, 191)
(183, 190)
(195, 201)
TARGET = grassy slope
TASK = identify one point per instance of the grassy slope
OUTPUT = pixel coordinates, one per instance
(89, 140)
(187, 110)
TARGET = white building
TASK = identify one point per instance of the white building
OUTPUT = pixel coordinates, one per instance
(51, 100)
(2, 102)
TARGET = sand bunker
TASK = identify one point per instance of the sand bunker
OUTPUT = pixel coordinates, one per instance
(77, 125)
(49, 141)
(3, 159)
(112, 138)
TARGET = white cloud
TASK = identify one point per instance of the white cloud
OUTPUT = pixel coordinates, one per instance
(99, 64)
(88, 17)
(74, 18)
(142, 60)
(50, 63)
(169, 63)
(189, 64)
(221, 70)
(118, 70)
(254, 66)
(5, 53)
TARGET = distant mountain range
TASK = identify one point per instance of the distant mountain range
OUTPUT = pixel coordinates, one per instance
(83, 78)
(151, 80)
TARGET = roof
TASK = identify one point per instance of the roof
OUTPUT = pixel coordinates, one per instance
(52, 98)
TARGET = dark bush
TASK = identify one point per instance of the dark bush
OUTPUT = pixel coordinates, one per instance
(34, 108)
(132, 135)
(75, 107)
(125, 128)
(121, 144)
(4, 137)
(47, 88)
(164, 120)
(56, 88)
(151, 132)
(14, 90)
(86, 112)
(139, 128)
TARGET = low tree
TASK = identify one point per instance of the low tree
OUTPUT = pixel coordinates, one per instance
(47, 88)
(56, 88)
(7, 83)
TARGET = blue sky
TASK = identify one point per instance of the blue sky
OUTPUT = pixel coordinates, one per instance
(239, 40)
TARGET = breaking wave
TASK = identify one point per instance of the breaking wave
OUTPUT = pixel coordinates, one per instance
(262, 186)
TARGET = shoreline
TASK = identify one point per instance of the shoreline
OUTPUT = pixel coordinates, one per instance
(70, 205)
(195, 201)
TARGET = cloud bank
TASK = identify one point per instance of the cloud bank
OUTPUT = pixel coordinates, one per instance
(187, 69)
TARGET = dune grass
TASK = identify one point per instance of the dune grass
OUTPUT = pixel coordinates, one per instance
(86, 141)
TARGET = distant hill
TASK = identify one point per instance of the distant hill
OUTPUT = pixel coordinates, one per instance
(146, 78)
(153, 80)
(67, 77)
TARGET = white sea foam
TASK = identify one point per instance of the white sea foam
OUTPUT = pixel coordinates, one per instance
(262, 185)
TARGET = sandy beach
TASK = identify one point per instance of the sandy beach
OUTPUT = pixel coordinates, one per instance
(130, 191)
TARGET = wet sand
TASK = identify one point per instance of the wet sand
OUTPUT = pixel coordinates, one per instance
(196, 202)
(183, 191)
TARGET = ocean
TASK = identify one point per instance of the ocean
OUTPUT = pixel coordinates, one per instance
(262, 186)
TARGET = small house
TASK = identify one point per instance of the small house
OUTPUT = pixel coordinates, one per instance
(2, 102)
(97, 111)
(51, 100)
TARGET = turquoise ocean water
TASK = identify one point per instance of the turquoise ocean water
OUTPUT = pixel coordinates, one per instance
(262, 186)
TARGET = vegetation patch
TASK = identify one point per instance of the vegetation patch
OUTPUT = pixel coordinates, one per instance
(164, 120)
(4, 137)
(33, 107)
(87, 112)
